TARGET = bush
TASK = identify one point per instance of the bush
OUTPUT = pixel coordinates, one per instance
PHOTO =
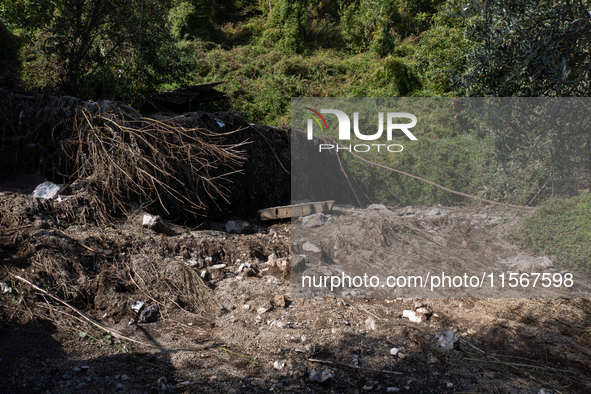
(562, 228)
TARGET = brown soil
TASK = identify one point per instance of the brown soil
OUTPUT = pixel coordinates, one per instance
(212, 335)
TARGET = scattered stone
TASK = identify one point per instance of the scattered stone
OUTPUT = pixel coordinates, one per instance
(237, 226)
(262, 310)
(47, 190)
(394, 351)
(377, 207)
(246, 306)
(431, 359)
(310, 247)
(545, 391)
(314, 220)
(367, 388)
(433, 212)
(162, 387)
(447, 340)
(124, 377)
(298, 263)
(155, 223)
(150, 314)
(355, 361)
(137, 306)
(370, 324)
(425, 310)
(279, 365)
(401, 355)
(464, 244)
(392, 390)
(67, 376)
(85, 368)
(279, 301)
(413, 316)
(118, 386)
(320, 377)
(131, 321)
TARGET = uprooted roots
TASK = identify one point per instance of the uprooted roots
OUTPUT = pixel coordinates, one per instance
(154, 162)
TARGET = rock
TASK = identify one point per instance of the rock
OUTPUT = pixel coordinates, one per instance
(413, 316)
(298, 263)
(124, 377)
(320, 377)
(370, 324)
(281, 263)
(47, 190)
(408, 210)
(447, 340)
(433, 212)
(262, 310)
(279, 301)
(67, 376)
(376, 207)
(246, 306)
(118, 386)
(314, 220)
(310, 247)
(237, 226)
(431, 359)
(279, 365)
(449, 385)
(401, 355)
(392, 390)
(281, 324)
(131, 321)
(545, 391)
(154, 223)
(425, 310)
(150, 314)
(394, 351)
(367, 388)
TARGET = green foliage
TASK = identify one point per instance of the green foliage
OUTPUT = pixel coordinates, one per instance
(9, 57)
(97, 49)
(562, 228)
(448, 162)
(440, 52)
(528, 48)
(192, 19)
(288, 22)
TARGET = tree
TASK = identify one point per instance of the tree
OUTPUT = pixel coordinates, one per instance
(528, 48)
(116, 48)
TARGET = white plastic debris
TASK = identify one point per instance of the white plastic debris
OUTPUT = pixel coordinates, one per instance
(137, 306)
(4, 288)
(220, 123)
(47, 190)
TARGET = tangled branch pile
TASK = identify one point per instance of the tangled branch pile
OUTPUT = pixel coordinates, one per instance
(150, 161)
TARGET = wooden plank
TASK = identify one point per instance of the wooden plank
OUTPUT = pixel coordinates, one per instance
(296, 210)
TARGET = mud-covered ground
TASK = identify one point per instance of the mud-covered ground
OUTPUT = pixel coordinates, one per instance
(227, 320)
